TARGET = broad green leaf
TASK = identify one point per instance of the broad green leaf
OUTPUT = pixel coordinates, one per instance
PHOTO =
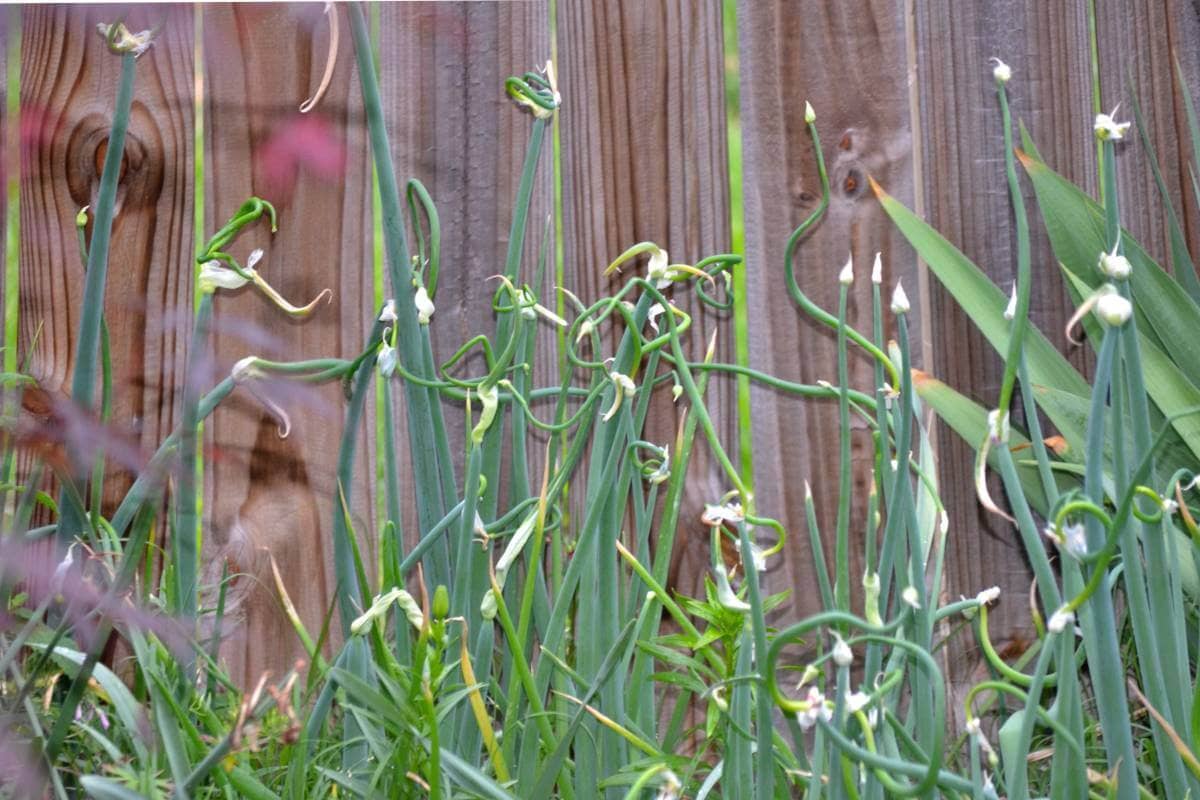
(982, 300)
(1075, 224)
(969, 420)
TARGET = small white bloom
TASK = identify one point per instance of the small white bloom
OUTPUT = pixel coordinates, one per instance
(717, 514)
(387, 359)
(817, 709)
(656, 268)
(585, 329)
(758, 556)
(424, 305)
(1114, 309)
(900, 304)
(652, 316)
(988, 596)
(846, 276)
(213, 275)
(877, 270)
(526, 303)
(1010, 310)
(911, 597)
(843, 656)
(857, 701)
(255, 256)
(1075, 540)
(1107, 128)
(389, 312)
(1115, 266)
(810, 116)
(625, 387)
(1169, 506)
(670, 787)
(1001, 72)
(1059, 620)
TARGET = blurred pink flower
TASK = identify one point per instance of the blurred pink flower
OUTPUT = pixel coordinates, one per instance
(308, 142)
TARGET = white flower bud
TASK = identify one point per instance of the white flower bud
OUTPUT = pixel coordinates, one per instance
(810, 116)
(988, 596)
(911, 597)
(1010, 310)
(846, 276)
(387, 359)
(900, 304)
(389, 312)
(1115, 267)
(656, 269)
(1114, 309)
(843, 656)
(1059, 620)
(1001, 72)
(255, 256)
(877, 270)
(424, 305)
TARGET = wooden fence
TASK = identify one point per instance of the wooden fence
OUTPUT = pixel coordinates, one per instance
(903, 93)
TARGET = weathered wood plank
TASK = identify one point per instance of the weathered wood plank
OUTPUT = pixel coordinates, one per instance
(644, 158)
(1124, 36)
(790, 53)
(966, 198)
(68, 85)
(265, 494)
(453, 128)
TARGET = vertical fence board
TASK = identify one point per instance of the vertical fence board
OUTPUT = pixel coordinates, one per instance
(644, 158)
(68, 88)
(1123, 35)
(966, 199)
(266, 493)
(790, 53)
(453, 128)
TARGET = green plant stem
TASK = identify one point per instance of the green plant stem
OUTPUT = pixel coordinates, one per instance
(83, 381)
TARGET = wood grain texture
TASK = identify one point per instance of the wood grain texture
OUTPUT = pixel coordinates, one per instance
(1129, 62)
(68, 89)
(453, 128)
(966, 199)
(266, 495)
(644, 158)
(790, 53)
